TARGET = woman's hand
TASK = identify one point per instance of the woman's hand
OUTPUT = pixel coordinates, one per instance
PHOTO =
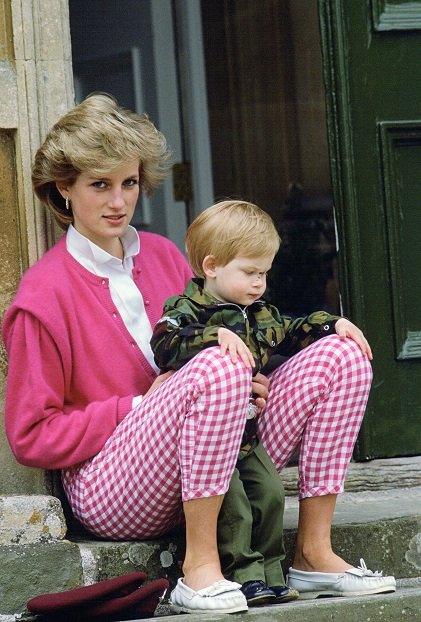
(232, 344)
(158, 381)
(344, 328)
(260, 388)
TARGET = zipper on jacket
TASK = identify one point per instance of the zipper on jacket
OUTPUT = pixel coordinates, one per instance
(245, 317)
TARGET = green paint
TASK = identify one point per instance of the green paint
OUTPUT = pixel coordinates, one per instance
(372, 70)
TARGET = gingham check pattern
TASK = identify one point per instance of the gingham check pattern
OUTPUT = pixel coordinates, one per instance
(317, 398)
(182, 441)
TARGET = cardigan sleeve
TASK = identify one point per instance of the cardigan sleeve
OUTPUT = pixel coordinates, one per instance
(42, 430)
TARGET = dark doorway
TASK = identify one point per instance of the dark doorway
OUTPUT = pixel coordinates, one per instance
(267, 122)
(264, 106)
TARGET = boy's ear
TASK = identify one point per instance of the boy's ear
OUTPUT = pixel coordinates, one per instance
(209, 266)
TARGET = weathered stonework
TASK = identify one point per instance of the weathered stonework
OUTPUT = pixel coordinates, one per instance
(32, 569)
(413, 554)
(28, 519)
(158, 558)
(36, 88)
(8, 95)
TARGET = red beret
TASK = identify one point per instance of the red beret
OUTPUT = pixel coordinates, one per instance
(121, 598)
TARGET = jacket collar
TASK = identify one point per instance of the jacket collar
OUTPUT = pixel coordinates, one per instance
(195, 290)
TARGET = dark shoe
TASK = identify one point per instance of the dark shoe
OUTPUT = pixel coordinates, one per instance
(257, 593)
(283, 594)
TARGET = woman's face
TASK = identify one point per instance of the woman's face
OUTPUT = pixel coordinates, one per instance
(103, 206)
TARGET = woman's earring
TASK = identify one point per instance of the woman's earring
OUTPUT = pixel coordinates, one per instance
(67, 203)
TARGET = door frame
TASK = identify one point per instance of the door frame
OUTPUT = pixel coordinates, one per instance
(194, 102)
(340, 140)
(182, 104)
(342, 167)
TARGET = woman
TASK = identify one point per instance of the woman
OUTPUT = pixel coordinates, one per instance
(138, 452)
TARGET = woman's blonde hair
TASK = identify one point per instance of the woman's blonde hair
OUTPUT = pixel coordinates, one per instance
(96, 137)
(229, 229)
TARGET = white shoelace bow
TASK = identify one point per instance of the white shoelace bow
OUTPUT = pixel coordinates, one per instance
(366, 572)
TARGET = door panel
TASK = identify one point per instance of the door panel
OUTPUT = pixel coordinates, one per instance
(401, 160)
(371, 53)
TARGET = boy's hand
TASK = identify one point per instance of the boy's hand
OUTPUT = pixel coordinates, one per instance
(344, 328)
(232, 344)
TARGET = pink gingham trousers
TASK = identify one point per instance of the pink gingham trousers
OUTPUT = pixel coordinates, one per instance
(182, 441)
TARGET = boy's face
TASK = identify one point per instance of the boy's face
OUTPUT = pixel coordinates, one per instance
(242, 280)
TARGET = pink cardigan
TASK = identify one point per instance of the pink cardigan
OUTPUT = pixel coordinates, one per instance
(73, 366)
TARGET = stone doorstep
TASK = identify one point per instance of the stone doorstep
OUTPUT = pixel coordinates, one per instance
(383, 526)
(28, 519)
(374, 531)
(381, 474)
(31, 569)
(404, 604)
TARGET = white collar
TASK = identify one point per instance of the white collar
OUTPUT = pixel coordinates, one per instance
(82, 248)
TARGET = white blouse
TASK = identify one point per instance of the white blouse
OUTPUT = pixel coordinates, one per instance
(124, 292)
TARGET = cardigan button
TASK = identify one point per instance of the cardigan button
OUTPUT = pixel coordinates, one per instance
(114, 314)
(103, 282)
(147, 302)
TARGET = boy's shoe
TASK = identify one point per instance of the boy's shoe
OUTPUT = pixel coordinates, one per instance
(257, 593)
(283, 594)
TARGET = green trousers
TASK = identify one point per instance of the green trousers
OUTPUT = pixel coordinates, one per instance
(250, 523)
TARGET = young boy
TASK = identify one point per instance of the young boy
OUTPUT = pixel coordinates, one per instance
(231, 247)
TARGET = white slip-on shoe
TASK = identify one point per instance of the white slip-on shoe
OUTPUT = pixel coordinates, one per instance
(220, 597)
(353, 582)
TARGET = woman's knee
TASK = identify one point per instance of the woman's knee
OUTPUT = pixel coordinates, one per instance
(220, 388)
(220, 370)
(347, 352)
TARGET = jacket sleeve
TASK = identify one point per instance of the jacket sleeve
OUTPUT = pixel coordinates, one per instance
(43, 430)
(179, 335)
(301, 332)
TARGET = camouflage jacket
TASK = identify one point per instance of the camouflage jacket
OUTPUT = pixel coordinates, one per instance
(190, 323)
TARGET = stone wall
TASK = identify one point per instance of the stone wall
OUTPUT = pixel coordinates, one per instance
(36, 88)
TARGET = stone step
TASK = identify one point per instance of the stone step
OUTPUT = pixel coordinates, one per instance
(381, 525)
(404, 604)
(371, 475)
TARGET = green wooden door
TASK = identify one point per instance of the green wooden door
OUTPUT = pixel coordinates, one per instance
(372, 68)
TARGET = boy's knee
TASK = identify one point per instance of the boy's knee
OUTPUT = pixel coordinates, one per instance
(274, 495)
(236, 507)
